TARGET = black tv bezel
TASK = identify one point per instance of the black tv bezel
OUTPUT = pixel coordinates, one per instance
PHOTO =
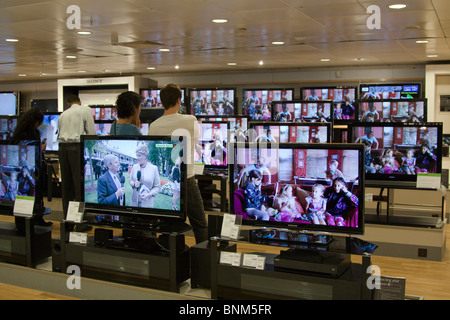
(7, 206)
(130, 210)
(226, 147)
(398, 180)
(17, 95)
(304, 101)
(381, 84)
(329, 126)
(425, 101)
(308, 227)
(235, 100)
(207, 118)
(302, 95)
(183, 96)
(244, 90)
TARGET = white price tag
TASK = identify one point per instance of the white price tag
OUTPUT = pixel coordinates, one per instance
(23, 206)
(78, 237)
(229, 227)
(75, 212)
(428, 180)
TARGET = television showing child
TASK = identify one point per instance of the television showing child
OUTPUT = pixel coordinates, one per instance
(314, 186)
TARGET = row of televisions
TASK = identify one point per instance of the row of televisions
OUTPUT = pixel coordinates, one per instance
(308, 186)
(223, 101)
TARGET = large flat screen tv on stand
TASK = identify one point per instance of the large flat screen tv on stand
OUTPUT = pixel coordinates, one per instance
(151, 176)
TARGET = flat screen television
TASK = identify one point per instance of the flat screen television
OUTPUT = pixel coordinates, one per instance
(152, 99)
(336, 94)
(396, 152)
(410, 110)
(104, 128)
(151, 178)
(213, 102)
(302, 111)
(256, 103)
(211, 148)
(7, 126)
(20, 169)
(314, 187)
(104, 112)
(238, 125)
(390, 91)
(49, 130)
(9, 103)
(45, 105)
(306, 132)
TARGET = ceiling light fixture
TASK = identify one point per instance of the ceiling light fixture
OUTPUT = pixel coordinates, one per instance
(177, 67)
(232, 63)
(71, 57)
(261, 62)
(397, 6)
(277, 42)
(422, 41)
(220, 20)
(151, 68)
(325, 60)
(164, 50)
(22, 75)
(84, 32)
(432, 56)
(12, 40)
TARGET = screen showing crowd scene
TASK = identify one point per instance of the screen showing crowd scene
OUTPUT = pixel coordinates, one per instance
(18, 170)
(393, 111)
(213, 102)
(124, 172)
(399, 152)
(211, 148)
(304, 186)
(104, 113)
(256, 103)
(290, 132)
(390, 91)
(151, 98)
(302, 111)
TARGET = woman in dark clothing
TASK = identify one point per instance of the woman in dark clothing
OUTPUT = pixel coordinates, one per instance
(26, 130)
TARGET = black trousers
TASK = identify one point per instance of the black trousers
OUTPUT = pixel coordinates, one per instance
(196, 211)
(71, 175)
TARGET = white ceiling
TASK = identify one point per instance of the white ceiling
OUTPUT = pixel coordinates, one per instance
(127, 35)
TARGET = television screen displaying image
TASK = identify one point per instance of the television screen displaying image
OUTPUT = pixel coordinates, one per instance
(318, 132)
(9, 103)
(104, 128)
(133, 175)
(390, 91)
(20, 165)
(238, 126)
(335, 94)
(7, 126)
(396, 152)
(213, 102)
(256, 103)
(302, 111)
(317, 187)
(152, 99)
(104, 113)
(49, 130)
(211, 148)
(393, 110)
(344, 112)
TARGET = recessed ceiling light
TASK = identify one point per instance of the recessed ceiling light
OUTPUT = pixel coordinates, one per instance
(232, 63)
(71, 57)
(277, 42)
(325, 60)
(81, 71)
(177, 67)
(22, 75)
(261, 62)
(422, 41)
(397, 6)
(151, 68)
(84, 32)
(164, 50)
(220, 20)
(12, 40)
(432, 56)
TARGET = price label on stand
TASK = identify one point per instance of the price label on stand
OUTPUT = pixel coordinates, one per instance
(23, 206)
(75, 211)
(229, 227)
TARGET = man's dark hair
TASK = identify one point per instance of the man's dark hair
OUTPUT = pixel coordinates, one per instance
(73, 99)
(169, 95)
(127, 103)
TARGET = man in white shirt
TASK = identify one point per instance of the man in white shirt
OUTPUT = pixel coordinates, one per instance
(77, 120)
(174, 124)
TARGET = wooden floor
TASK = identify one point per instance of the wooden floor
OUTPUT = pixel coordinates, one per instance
(427, 279)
